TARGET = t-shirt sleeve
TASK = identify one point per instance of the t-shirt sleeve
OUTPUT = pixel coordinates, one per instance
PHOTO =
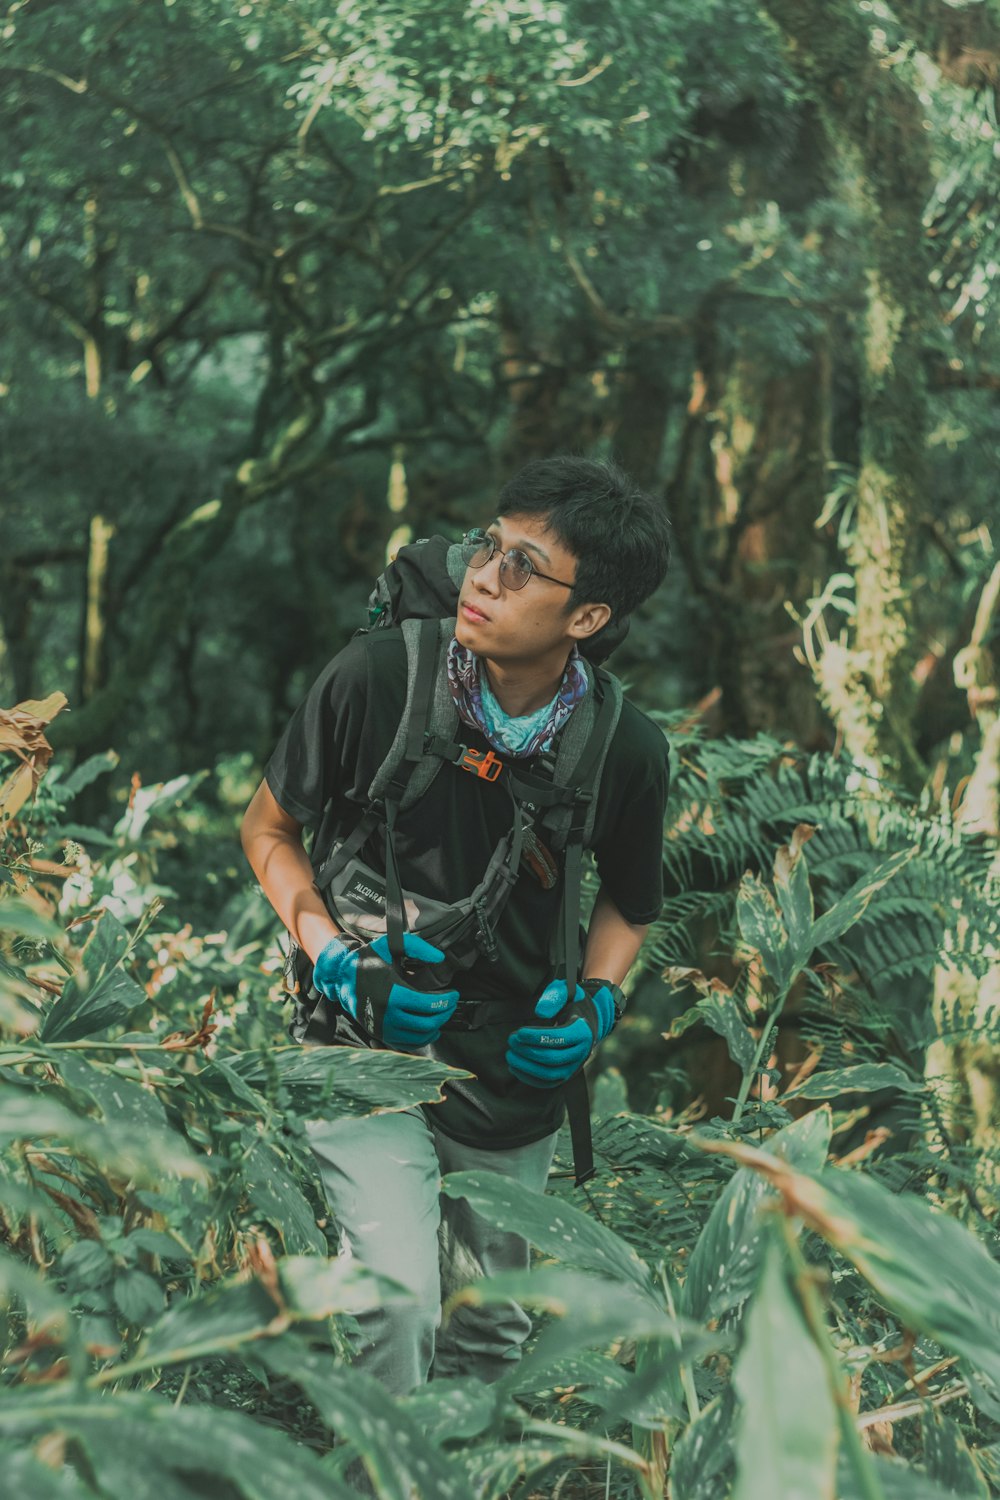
(316, 758)
(629, 847)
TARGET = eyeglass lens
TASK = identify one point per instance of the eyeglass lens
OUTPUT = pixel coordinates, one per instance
(515, 565)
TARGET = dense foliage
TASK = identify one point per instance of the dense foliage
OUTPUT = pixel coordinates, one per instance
(750, 1294)
(284, 284)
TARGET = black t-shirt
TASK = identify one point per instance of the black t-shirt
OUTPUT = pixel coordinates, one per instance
(320, 773)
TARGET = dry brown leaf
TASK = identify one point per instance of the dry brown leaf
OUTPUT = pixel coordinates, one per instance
(22, 734)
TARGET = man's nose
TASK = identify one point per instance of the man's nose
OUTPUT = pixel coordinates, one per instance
(487, 578)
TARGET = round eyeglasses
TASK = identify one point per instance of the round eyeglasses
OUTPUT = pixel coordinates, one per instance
(516, 566)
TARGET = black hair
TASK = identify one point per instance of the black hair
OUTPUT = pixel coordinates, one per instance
(619, 535)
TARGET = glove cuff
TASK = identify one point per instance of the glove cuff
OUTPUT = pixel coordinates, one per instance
(327, 968)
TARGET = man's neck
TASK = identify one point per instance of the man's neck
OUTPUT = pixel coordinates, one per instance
(521, 688)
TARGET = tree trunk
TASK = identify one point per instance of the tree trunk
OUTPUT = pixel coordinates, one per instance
(874, 126)
(964, 1072)
(746, 494)
(93, 634)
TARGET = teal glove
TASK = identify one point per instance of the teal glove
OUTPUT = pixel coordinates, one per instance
(546, 1056)
(362, 980)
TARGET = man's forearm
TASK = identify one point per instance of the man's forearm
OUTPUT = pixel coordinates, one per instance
(612, 943)
(282, 866)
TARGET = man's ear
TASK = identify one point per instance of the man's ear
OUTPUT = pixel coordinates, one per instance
(588, 620)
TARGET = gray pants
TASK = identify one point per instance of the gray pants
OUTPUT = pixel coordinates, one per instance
(381, 1177)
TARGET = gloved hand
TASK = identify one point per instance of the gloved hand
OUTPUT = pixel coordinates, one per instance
(546, 1056)
(364, 982)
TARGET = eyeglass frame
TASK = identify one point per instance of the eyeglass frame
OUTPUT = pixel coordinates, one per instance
(533, 572)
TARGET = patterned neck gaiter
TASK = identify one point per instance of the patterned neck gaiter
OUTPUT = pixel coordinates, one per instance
(521, 737)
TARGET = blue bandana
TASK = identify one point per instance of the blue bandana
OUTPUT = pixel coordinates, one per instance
(527, 735)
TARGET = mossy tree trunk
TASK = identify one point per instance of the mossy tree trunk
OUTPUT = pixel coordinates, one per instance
(875, 132)
(746, 493)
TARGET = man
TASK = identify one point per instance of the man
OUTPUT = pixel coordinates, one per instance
(574, 546)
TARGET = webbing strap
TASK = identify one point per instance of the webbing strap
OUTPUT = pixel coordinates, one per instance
(418, 720)
(596, 746)
(569, 914)
(395, 915)
(352, 845)
(577, 1102)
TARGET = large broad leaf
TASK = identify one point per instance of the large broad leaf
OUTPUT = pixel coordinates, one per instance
(725, 1264)
(103, 994)
(863, 1078)
(949, 1461)
(787, 1435)
(21, 917)
(278, 1198)
(235, 1313)
(351, 1081)
(142, 1155)
(896, 1481)
(398, 1455)
(594, 1312)
(854, 903)
(719, 1009)
(702, 1461)
(761, 928)
(553, 1226)
(117, 1098)
(794, 893)
(25, 1477)
(925, 1266)
(453, 1410)
(259, 1462)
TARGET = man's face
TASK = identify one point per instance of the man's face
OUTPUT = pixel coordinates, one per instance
(508, 625)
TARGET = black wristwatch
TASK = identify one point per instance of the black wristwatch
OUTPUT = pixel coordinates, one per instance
(591, 986)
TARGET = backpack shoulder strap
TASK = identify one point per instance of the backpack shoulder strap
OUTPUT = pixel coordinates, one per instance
(429, 710)
(582, 751)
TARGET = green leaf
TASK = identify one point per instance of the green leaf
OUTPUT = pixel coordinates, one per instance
(86, 1262)
(854, 903)
(399, 1457)
(720, 1010)
(949, 1461)
(259, 1462)
(897, 1481)
(25, 1476)
(45, 1306)
(761, 928)
(234, 1313)
(278, 1198)
(26, 1114)
(347, 1080)
(88, 771)
(705, 1451)
(725, 1263)
(791, 885)
(452, 1410)
(593, 1311)
(555, 1227)
(787, 1428)
(137, 1296)
(117, 1098)
(925, 1266)
(155, 1242)
(102, 995)
(20, 917)
(865, 1078)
